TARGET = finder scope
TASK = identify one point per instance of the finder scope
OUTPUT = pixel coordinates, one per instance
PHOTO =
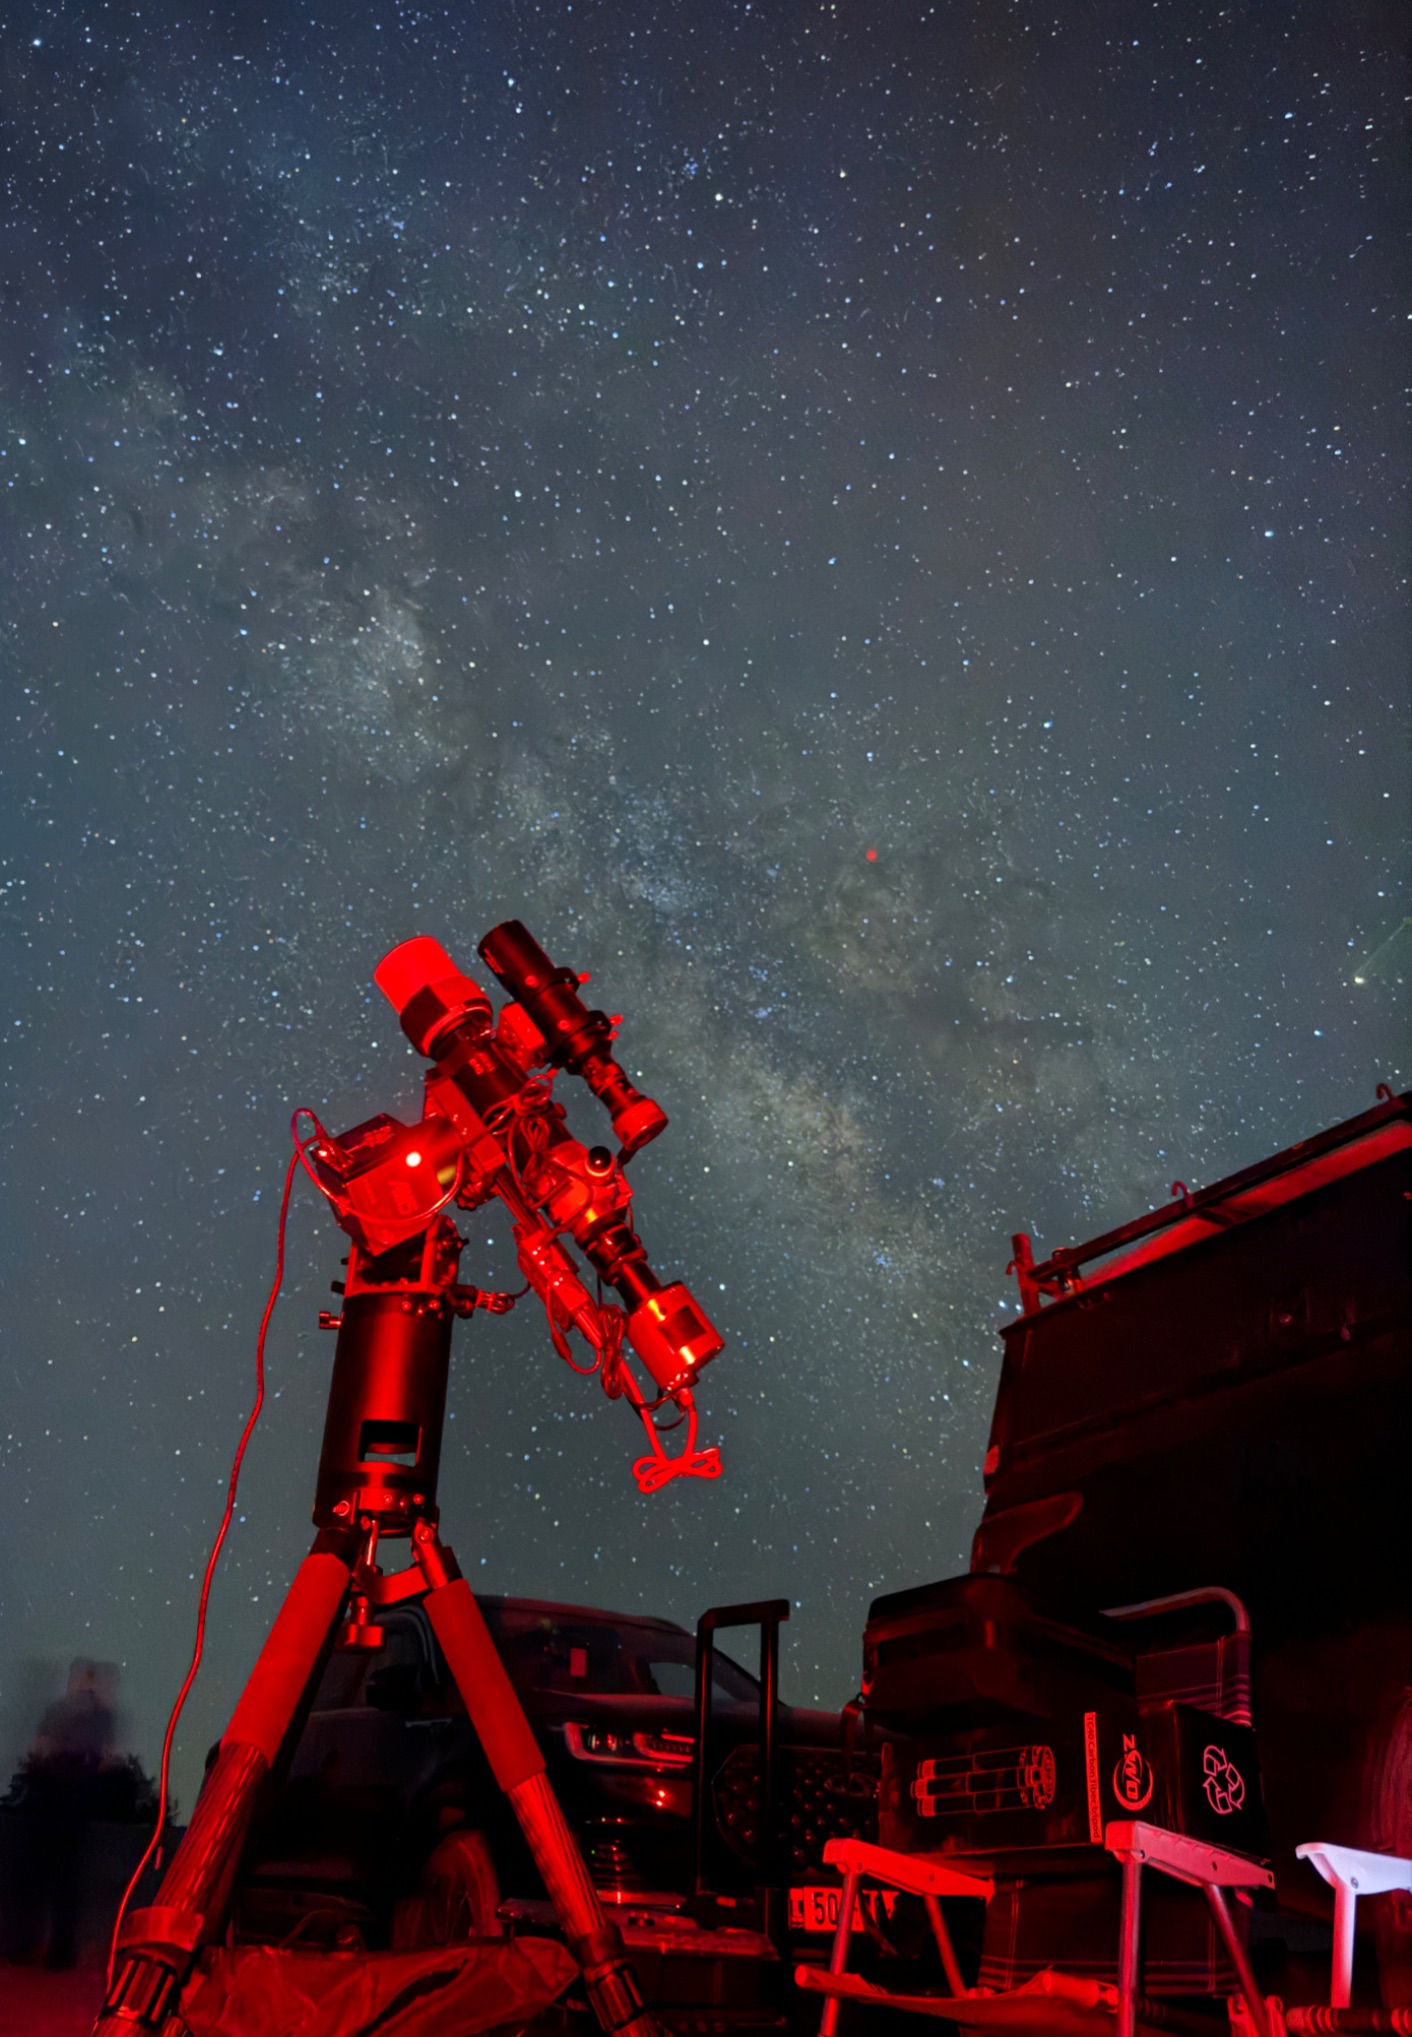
(574, 1037)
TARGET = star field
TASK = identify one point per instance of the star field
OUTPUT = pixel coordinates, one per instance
(878, 532)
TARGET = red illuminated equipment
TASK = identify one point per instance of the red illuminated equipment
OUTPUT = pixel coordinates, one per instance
(490, 1128)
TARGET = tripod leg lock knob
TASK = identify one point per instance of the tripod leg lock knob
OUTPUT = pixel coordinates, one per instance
(612, 1985)
(614, 1993)
(143, 1997)
(435, 1561)
(153, 1954)
(162, 1931)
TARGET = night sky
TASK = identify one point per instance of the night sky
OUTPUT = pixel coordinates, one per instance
(878, 530)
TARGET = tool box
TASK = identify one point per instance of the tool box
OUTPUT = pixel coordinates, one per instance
(1041, 1804)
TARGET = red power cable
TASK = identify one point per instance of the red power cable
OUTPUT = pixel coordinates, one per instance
(155, 1841)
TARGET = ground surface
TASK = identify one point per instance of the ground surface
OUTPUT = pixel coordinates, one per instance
(34, 2003)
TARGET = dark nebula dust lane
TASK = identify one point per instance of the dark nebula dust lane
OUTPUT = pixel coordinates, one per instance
(880, 533)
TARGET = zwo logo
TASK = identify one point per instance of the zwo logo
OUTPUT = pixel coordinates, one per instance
(1132, 1776)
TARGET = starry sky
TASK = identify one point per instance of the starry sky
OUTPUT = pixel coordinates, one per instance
(878, 531)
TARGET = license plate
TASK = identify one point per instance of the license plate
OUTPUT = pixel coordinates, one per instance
(816, 1909)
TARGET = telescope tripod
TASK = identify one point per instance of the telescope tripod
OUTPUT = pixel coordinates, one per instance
(377, 1480)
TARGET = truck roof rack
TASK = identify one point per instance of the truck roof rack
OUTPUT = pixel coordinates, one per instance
(1296, 1171)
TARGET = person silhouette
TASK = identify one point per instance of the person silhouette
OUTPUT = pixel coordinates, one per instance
(58, 1790)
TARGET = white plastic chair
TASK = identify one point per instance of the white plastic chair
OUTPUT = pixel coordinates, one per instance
(1351, 1874)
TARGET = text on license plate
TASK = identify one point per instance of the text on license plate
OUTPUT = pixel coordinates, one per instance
(816, 1909)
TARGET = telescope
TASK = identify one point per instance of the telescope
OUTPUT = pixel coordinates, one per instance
(490, 1128)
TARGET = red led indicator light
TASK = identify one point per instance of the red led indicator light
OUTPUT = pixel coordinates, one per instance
(871, 854)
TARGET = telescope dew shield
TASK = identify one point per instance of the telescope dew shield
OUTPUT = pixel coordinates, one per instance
(575, 1037)
(670, 1333)
(447, 1016)
(428, 992)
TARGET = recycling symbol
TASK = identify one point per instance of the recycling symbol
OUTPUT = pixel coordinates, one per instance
(1224, 1785)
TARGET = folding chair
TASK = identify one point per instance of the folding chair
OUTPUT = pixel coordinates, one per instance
(1211, 1869)
(855, 1858)
(1053, 2002)
(1351, 1874)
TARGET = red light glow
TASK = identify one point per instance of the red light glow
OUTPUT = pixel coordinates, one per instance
(871, 854)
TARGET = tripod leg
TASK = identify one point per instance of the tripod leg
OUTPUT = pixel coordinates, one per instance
(518, 1766)
(158, 1945)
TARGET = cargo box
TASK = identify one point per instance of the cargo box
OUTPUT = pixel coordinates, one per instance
(1041, 1804)
(975, 1651)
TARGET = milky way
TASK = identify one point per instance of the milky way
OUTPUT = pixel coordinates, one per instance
(878, 531)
